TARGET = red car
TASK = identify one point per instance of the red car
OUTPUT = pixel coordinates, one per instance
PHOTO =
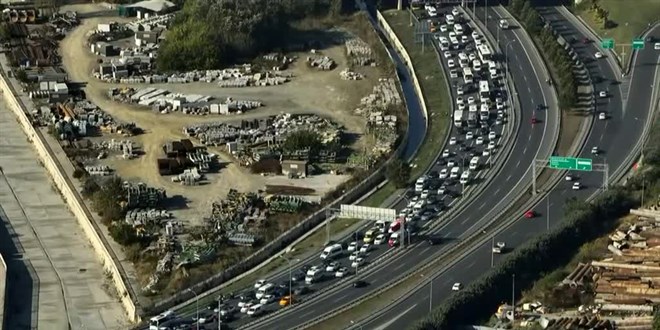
(534, 120)
(585, 40)
(529, 214)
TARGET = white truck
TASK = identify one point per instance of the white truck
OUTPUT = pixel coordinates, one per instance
(459, 118)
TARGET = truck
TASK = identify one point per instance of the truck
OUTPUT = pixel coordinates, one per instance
(458, 118)
(473, 119)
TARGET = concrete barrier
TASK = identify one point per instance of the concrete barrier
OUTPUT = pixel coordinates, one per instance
(3, 287)
(73, 200)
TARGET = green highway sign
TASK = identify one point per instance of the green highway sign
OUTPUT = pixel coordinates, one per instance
(607, 43)
(571, 163)
(638, 44)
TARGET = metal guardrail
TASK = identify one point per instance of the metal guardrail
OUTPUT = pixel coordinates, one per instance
(3, 294)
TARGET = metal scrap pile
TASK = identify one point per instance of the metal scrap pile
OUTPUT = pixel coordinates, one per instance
(142, 196)
(77, 117)
(286, 204)
(64, 22)
(142, 217)
(271, 130)
(235, 213)
(359, 52)
(126, 147)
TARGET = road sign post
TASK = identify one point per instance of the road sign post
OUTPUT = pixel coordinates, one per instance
(607, 43)
(569, 164)
(638, 44)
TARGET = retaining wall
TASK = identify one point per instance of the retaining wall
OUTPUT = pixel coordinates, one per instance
(72, 198)
(3, 286)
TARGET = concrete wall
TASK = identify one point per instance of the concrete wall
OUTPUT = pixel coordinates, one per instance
(3, 286)
(72, 198)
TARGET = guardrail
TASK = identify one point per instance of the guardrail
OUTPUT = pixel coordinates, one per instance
(3, 287)
(73, 199)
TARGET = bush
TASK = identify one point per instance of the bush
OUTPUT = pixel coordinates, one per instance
(303, 139)
(124, 234)
(106, 200)
(78, 173)
(398, 172)
(582, 222)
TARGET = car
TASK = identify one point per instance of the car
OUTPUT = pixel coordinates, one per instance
(331, 267)
(260, 283)
(451, 163)
(267, 299)
(656, 46)
(492, 135)
(602, 94)
(452, 141)
(568, 177)
(471, 100)
(461, 106)
(446, 153)
(586, 40)
(594, 151)
(469, 136)
(499, 105)
(443, 28)
(499, 121)
(534, 121)
(480, 140)
(353, 246)
(354, 255)
(472, 57)
(576, 186)
(529, 214)
(247, 306)
(226, 310)
(460, 100)
(539, 107)
(341, 272)
(456, 287)
(451, 64)
(442, 190)
(365, 248)
(453, 74)
(360, 284)
(475, 35)
(464, 39)
(444, 173)
(459, 91)
(298, 276)
(455, 11)
(357, 262)
(452, 34)
(602, 116)
(447, 54)
(380, 239)
(491, 145)
(598, 55)
(302, 290)
(286, 301)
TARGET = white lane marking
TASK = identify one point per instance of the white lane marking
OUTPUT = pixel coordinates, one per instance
(340, 298)
(509, 177)
(525, 150)
(518, 164)
(496, 191)
(388, 323)
(305, 315)
(464, 221)
(482, 206)
(399, 266)
(424, 251)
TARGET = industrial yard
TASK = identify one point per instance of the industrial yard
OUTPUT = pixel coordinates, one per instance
(193, 150)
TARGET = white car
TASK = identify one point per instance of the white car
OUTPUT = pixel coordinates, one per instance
(443, 28)
(480, 140)
(259, 283)
(365, 248)
(569, 178)
(656, 46)
(486, 153)
(461, 106)
(471, 100)
(451, 163)
(478, 42)
(354, 255)
(598, 55)
(451, 64)
(455, 11)
(453, 74)
(246, 307)
(576, 186)
(456, 287)
(492, 135)
(602, 94)
(499, 105)
(460, 100)
(475, 35)
(459, 90)
(452, 141)
(267, 299)
(602, 116)
(443, 173)
(472, 57)
(446, 153)
(469, 136)
(452, 34)
(352, 247)
(357, 262)
(341, 272)
(333, 266)
(464, 39)
(380, 239)
(499, 121)
(594, 151)
(447, 54)
(491, 145)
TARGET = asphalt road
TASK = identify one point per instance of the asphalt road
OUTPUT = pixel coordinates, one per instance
(532, 139)
(618, 133)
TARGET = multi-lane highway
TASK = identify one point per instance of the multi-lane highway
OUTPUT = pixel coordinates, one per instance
(533, 141)
(615, 136)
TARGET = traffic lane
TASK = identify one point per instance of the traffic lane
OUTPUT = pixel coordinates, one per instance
(645, 70)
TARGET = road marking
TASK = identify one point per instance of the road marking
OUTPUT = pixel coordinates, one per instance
(482, 206)
(518, 164)
(424, 251)
(464, 221)
(302, 316)
(340, 298)
(390, 322)
(525, 77)
(399, 266)
(529, 137)
(496, 191)
(509, 177)
(471, 264)
(525, 150)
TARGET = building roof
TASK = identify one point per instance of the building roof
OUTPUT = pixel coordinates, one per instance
(153, 5)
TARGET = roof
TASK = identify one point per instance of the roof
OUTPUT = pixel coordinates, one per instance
(153, 5)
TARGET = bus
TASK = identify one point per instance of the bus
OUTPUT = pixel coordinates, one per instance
(484, 90)
(484, 53)
(467, 75)
(156, 321)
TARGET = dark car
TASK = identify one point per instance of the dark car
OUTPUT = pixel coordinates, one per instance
(212, 305)
(433, 174)
(434, 240)
(360, 284)
(302, 290)
(650, 39)
(298, 276)
(539, 107)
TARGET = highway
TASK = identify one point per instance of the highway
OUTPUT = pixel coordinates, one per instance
(532, 140)
(619, 133)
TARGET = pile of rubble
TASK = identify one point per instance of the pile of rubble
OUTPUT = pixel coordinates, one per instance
(164, 101)
(143, 217)
(237, 213)
(272, 130)
(73, 119)
(142, 196)
(281, 62)
(126, 147)
(189, 177)
(286, 204)
(150, 23)
(359, 52)
(64, 22)
(347, 74)
(98, 170)
(323, 63)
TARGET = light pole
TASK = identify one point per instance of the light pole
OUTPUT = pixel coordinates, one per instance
(290, 279)
(547, 213)
(430, 293)
(492, 253)
(513, 297)
(196, 307)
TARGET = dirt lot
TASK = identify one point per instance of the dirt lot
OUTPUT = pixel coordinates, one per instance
(310, 91)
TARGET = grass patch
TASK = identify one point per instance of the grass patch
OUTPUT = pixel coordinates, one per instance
(630, 19)
(432, 80)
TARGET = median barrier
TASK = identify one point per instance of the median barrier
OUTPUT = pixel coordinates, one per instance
(73, 200)
(3, 287)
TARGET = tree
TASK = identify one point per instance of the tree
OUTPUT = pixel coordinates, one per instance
(303, 139)
(516, 6)
(107, 200)
(124, 234)
(533, 21)
(398, 172)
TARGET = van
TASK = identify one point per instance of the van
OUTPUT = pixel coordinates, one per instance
(255, 310)
(465, 177)
(331, 252)
(474, 163)
(315, 276)
(156, 321)
(458, 29)
(450, 19)
(455, 172)
(382, 225)
(264, 290)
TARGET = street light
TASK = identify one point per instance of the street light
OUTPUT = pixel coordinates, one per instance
(196, 307)
(288, 260)
(430, 293)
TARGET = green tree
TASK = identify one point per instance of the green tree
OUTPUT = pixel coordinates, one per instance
(124, 234)
(398, 172)
(303, 139)
(107, 200)
(516, 6)
(533, 21)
